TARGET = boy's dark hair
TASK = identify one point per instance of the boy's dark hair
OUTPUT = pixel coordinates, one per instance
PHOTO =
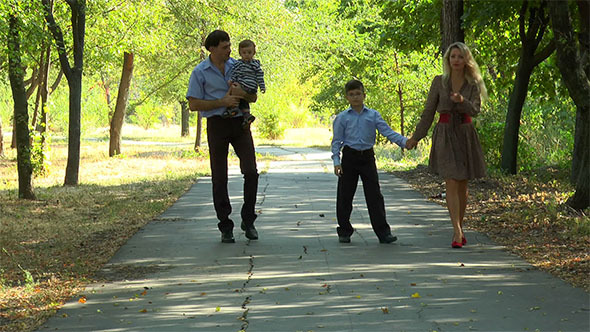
(246, 43)
(216, 37)
(354, 85)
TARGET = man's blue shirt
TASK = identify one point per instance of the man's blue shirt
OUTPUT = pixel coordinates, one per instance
(207, 83)
(358, 131)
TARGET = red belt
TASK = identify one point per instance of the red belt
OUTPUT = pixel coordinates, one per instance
(446, 117)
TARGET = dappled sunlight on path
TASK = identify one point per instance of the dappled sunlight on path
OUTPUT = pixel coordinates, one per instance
(175, 275)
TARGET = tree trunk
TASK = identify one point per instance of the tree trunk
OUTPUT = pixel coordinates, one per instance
(74, 77)
(122, 97)
(512, 126)
(34, 82)
(401, 99)
(538, 21)
(571, 61)
(13, 139)
(21, 115)
(451, 23)
(73, 163)
(44, 88)
(1, 141)
(40, 79)
(185, 115)
(199, 129)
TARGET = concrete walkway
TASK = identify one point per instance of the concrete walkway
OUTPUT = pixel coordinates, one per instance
(176, 275)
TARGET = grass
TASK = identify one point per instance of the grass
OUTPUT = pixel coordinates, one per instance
(51, 247)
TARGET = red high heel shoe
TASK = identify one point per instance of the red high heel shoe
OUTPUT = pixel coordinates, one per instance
(456, 244)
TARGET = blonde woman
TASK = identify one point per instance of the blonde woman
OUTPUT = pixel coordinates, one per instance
(456, 153)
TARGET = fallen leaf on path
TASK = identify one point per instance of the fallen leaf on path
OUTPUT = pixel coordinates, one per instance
(217, 309)
(144, 293)
(82, 299)
(385, 310)
(416, 295)
(143, 310)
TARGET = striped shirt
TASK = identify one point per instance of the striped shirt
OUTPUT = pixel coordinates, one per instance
(249, 75)
(358, 131)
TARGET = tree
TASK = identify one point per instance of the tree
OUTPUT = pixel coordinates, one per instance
(21, 115)
(73, 76)
(122, 97)
(184, 121)
(451, 23)
(573, 59)
(538, 21)
(1, 141)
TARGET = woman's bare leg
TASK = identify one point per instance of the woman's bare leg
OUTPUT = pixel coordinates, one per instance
(463, 194)
(454, 207)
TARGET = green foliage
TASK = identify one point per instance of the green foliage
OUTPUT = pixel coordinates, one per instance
(145, 115)
(268, 124)
(309, 50)
(40, 152)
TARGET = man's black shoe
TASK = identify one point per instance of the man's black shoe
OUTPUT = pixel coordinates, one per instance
(387, 238)
(251, 232)
(227, 237)
(344, 238)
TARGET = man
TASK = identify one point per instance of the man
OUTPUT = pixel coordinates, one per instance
(209, 93)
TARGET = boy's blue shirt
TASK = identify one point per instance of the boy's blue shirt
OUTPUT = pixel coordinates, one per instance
(358, 131)
(207, 83)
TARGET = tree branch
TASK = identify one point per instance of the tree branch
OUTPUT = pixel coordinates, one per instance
(58, 37)
(544, 53)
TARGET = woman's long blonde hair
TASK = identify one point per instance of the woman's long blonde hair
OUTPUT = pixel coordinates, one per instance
(472, 72)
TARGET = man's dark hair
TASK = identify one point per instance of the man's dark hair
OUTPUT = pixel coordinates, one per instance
(215, 38)
(246, 43)
(353, 85)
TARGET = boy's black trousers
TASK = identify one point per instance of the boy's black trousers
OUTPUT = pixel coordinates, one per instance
(354, 164)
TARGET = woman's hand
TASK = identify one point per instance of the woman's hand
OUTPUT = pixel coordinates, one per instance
(411, 143)
(456, 97)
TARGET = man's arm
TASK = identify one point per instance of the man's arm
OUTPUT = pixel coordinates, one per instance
(236, 90)
(195, 104)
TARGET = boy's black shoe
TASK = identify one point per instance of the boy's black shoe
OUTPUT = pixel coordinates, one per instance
(227, 237)
(248, 119)
(230, 112)
(251, 232)
(344, 238)
(387, 238)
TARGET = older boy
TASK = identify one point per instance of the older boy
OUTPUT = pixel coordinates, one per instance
(354, 134)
